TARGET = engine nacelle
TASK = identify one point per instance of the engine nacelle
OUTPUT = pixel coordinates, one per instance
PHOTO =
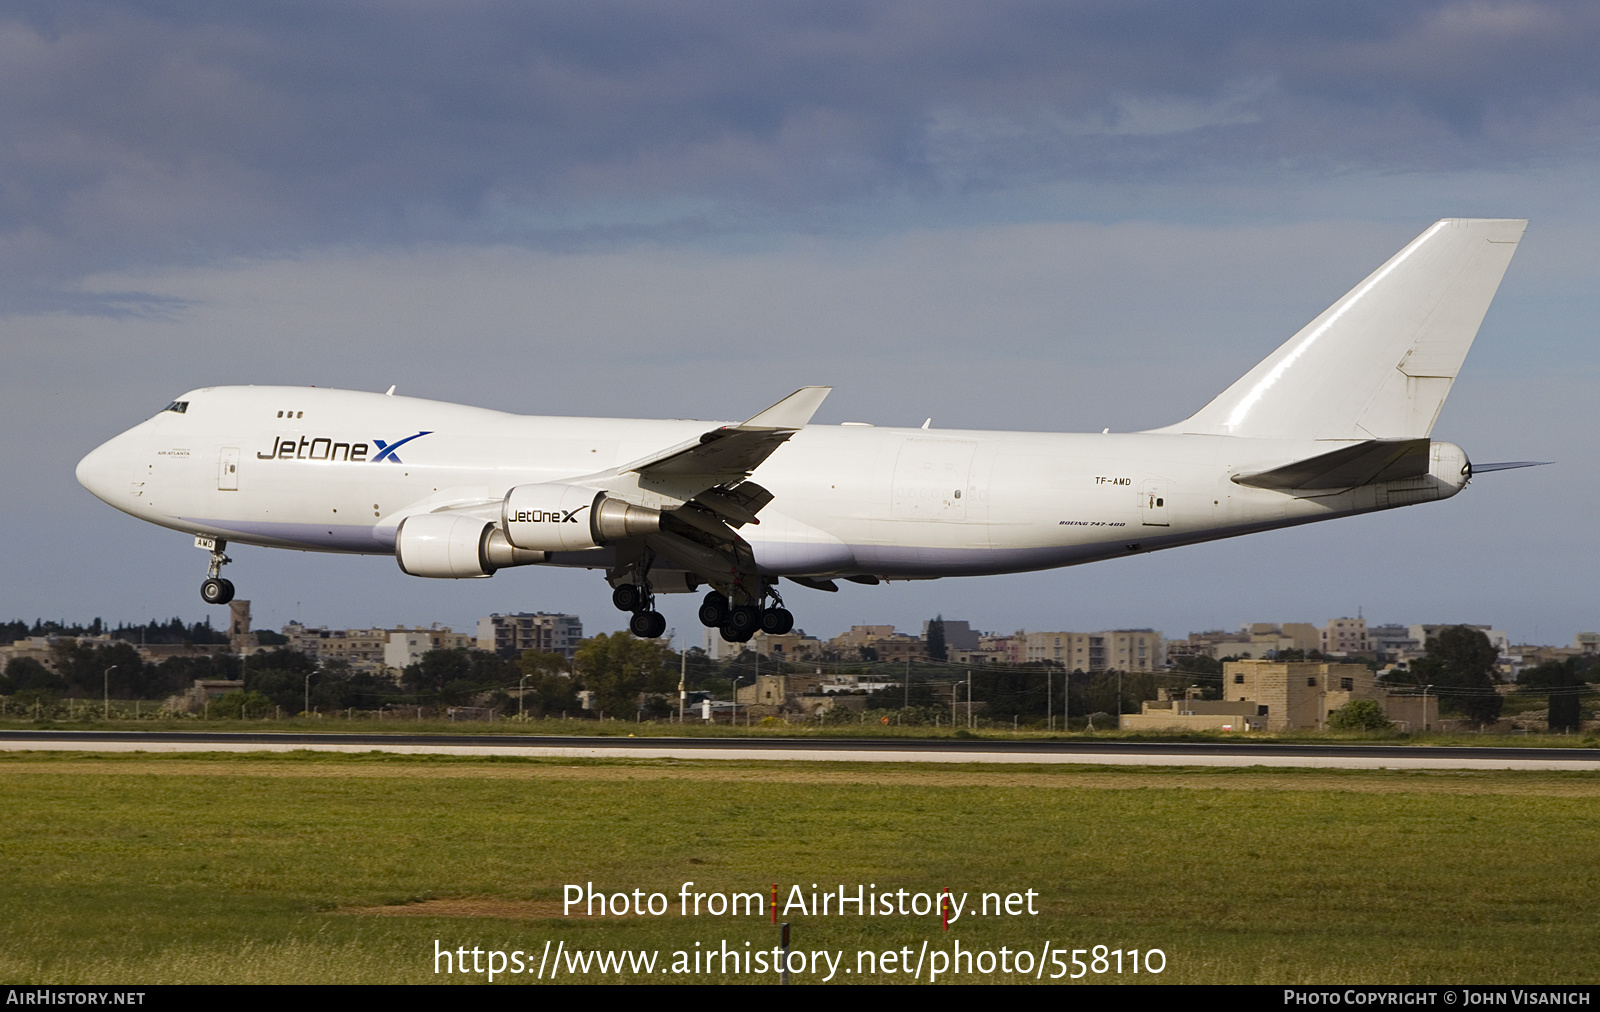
(566, 518)
(449, 546)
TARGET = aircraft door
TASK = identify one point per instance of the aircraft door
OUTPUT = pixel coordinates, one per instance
(931, 477)
(1153, 504)
(228, 470)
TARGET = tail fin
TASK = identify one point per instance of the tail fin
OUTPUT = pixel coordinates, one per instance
(1378, 363)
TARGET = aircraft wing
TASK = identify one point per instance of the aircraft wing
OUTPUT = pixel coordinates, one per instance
(1365, 463)
(711, 469)
(734, 451)
(701, 487)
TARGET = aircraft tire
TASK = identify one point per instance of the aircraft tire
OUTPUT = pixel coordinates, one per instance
(216, 591)
(647, 625)
(777, 621)
(714, 610)
(627, 597)
(733, 635)
(745, 618)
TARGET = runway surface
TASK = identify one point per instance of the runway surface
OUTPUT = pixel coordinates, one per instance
(1089, 752)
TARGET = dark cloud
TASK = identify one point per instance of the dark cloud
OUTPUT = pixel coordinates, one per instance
(142, 134)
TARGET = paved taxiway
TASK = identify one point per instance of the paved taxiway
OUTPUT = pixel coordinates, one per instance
(1099, 753)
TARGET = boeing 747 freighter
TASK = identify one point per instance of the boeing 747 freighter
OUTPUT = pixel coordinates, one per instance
(1335, 422)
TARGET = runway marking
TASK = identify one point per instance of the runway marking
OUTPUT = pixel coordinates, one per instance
(635, 751)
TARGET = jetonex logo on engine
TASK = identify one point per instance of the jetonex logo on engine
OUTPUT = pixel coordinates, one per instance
(547, 516)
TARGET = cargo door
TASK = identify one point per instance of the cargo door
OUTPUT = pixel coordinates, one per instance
(930, 479)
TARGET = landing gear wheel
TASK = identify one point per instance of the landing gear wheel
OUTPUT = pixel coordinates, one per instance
(216, 591)
(628, 597)
(714, 610)
(777, 621)
(733, 635)
(745, 619)
(647, 625)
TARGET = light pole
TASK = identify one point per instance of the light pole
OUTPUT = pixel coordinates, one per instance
(108, 691)
(522, 690)
(307, 710)
(683, 678)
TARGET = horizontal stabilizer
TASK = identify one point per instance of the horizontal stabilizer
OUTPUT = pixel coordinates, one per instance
(1368, 463)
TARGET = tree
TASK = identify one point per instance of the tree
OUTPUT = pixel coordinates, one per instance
(549, 688)
(240, 705)
(1359, 715)
(618, 667)
(24, 674)
(453, 677)
(1565, 685)
(1461, 661)
(936, 645)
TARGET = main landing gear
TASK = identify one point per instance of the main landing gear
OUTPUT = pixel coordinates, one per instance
(739, 622)
(647, 623)
(215, 590)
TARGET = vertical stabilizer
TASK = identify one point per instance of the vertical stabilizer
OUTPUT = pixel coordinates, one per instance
(1378, 363)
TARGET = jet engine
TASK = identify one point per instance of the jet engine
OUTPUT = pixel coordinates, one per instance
(566, 518)
(450, 546)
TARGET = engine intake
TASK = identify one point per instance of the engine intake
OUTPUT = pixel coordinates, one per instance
(446, 546)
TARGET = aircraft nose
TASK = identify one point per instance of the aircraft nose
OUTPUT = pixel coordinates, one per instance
(104, 472)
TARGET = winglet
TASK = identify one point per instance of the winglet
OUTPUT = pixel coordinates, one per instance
(793, 412)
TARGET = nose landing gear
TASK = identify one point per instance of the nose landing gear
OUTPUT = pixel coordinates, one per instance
(215, 590)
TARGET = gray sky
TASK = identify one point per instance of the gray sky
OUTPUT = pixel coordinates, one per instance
(1057, 216)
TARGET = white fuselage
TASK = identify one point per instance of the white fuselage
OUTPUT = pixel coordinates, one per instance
(334, 470)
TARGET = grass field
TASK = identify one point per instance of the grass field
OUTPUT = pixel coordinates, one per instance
(342, 869)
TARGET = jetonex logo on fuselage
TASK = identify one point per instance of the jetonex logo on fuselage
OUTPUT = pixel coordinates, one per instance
(327, 448)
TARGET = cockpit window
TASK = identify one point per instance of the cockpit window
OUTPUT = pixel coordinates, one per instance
(179, 406)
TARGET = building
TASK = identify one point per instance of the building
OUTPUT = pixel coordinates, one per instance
(1280, 696)
(1344, 636)
(1112, 650)
(362, 649)
(1188, 712)
(957, 635)
(1298, 694)
(877, 643)
(406, 646)
(510, 635)
(1394, 644)
(240, 639)
(792, 646)
(1259, 640)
